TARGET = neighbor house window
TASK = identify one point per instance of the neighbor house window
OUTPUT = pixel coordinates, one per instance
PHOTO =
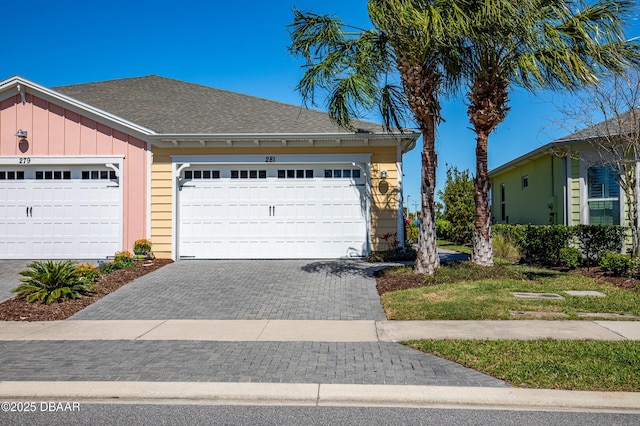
(603, 196)
(525, 182)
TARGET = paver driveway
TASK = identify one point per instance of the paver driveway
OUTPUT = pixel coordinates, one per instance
(9, 277)
(247, 289)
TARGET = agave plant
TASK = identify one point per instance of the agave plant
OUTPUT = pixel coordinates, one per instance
(49, 281)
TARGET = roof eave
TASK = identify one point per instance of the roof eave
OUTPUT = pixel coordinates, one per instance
(532, 155)
(407, 140)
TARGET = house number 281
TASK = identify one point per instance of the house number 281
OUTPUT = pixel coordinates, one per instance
(270, 159)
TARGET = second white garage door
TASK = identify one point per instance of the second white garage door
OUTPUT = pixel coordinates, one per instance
(269, 212)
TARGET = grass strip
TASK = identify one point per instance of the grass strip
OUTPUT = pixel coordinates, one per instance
(464, 291)
(547, 364)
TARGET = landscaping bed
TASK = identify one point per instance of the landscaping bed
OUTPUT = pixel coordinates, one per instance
(21, 310)
(464, 291)
(387, 281)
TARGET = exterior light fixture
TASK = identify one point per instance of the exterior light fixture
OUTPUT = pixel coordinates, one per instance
(22, 134)
(383, 174)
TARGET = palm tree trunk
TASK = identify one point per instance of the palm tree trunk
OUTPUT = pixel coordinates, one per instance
(427, 259)
(420, 84)
(488, 98)
(482, 253)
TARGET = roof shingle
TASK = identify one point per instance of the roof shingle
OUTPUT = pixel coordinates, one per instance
(169, 106)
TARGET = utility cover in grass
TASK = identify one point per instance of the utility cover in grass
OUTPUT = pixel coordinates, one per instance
(585, 293)
(605, 315)
(552, 296)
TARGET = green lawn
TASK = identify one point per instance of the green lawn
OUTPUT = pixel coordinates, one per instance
(463, 291)
(547, 364)
(453, 246)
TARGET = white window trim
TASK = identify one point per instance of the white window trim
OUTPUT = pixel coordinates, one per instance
(584, 200)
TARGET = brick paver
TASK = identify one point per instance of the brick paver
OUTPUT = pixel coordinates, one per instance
(237, 290)
(247, 289)
(192, 361)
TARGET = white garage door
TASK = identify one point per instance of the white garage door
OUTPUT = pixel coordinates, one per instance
(58, 212)
(293, 211)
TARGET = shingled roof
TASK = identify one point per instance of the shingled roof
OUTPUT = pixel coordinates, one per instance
(169, 106)
(617, 125)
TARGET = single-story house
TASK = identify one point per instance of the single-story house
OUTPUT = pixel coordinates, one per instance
(87, 169)
(563, 182)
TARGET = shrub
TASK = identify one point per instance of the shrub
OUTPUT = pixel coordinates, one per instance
(459, 206)
(513, 233)
(570, 257)
(49, 281)
(411, 233)
(107, 267)
(123, 260)
(597, 239)
(505, 249)
(396, 255)
(616, 263)
(89, 271)
(543, 243)
(443, 229)
(142, 246)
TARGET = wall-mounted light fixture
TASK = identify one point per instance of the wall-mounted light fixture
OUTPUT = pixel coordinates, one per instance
(22, 134)
(383, 174)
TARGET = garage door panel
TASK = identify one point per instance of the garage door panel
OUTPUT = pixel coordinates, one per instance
(54, 212)
(288, 214)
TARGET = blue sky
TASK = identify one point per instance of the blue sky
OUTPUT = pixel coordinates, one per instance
(239, 46)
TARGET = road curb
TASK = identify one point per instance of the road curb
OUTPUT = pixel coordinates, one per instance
(323, 395)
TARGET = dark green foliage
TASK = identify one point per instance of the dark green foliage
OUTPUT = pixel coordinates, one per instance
(49, 281)
(107, 267)
(596, 239)
(543, 243)
(459, 205)
(443, 229)
(570, 257)
(618, 264)
(395, 255)
(514, 233)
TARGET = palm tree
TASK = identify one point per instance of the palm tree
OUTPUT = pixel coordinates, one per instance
(356, 68)
(536, 44)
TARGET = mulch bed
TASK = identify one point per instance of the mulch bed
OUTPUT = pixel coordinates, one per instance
(386, 283)
(21, 310)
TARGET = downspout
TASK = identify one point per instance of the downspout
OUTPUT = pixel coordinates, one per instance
(553, 193)
(569, 186)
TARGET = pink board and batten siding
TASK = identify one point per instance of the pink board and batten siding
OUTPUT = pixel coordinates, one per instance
(56, 131)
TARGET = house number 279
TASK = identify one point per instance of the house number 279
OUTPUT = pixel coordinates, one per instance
(24, 160)
(270, 159)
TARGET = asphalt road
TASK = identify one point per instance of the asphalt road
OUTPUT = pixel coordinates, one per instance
(130, 415)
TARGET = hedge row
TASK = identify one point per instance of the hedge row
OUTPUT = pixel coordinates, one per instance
(543, 243)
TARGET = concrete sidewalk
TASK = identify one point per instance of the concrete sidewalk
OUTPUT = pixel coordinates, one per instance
(282, 362)
(314, 331)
